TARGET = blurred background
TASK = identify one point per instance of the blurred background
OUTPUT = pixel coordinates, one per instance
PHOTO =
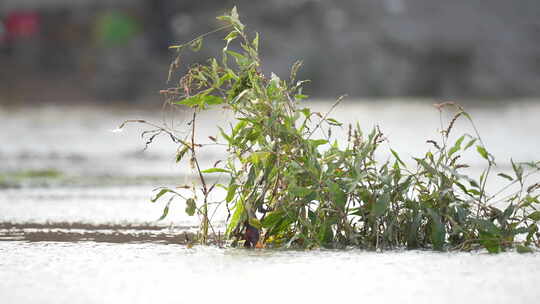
(72, 70)
(116, 50)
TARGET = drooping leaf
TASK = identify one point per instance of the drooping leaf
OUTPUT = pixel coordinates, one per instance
(165, 211)
(160, 194)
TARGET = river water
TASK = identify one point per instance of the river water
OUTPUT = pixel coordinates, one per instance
(76, 224)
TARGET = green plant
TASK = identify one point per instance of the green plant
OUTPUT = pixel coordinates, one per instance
(290, 178)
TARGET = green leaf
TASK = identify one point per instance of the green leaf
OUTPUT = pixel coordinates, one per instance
(272, 219)
(191, 206)
(165, 211)
(231, 36)
(256, 42)
(306, 112)
(255, 223)
(535, 216)
(216, 170)
(236, 19)
(380, 206)
(300, 191)
(518, 170)
(490, 242)
(259, 156)
(241, 60)
(456, 146)
(524, 249)
(508, 177)
(317, 142)
(160, 194)
(397, 158)
(181, 153)
(482, 151)
(469, 144)
(426, 166)
(196, 44)
(326, 235)
(412, 236)
(201, 101)
(438, 231)
(337, 195)
(333, 122)
(231, 191)
(487, 226)
(227, 137)
(236, 218)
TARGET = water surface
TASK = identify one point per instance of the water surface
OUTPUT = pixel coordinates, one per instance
(76, 224)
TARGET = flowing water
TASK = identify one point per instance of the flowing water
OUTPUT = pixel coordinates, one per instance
(76, 224)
